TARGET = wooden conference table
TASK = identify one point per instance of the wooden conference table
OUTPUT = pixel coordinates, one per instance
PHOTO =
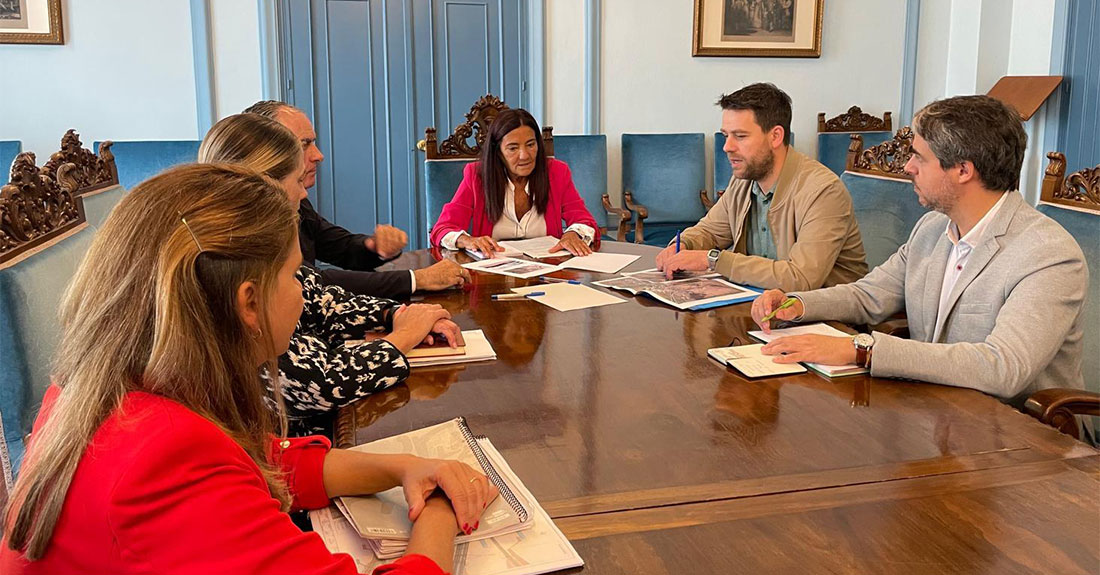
(652, 458)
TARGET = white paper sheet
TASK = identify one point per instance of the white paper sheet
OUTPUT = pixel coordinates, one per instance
(569, 297)
(512, 267)
(600, 262)
(813, 329)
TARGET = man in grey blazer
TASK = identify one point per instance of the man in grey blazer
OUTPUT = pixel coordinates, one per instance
(993, 289)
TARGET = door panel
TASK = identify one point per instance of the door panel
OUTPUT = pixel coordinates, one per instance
(372, 74)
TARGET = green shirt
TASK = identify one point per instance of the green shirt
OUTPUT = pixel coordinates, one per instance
(758, 241)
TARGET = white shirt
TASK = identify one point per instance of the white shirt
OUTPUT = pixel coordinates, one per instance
(960, 254)
(510, 227)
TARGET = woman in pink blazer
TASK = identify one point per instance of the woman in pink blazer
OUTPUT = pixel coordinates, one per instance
(515, 191)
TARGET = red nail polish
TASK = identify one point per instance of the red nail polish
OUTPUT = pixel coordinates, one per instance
(466, 528)
(476, 524)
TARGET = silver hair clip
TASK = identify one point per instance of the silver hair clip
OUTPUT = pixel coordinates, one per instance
(192, 232)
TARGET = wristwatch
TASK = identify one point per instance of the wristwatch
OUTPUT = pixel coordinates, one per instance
(863, 342)
(712, 259)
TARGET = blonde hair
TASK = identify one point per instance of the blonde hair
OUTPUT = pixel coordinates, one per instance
(153, 308)
(254, 141)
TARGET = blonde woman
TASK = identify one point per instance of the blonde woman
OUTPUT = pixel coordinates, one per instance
(320, 374)
(154, 451)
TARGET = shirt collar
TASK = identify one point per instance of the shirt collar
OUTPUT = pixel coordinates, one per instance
(512, 186)
(976, 232)
(758, 191)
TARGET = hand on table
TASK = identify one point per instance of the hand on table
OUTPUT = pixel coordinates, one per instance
(470, 491)
(387, 241)
(483, 244)
(767, 302)
(686, 260)
(572, 243)
(824, 349)
(446, 329)
(413, 323)
(441, 275)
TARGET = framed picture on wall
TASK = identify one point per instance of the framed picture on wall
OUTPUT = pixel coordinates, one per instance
(761, 28)
(31, 22)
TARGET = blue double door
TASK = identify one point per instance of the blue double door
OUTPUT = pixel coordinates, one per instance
(372, 74)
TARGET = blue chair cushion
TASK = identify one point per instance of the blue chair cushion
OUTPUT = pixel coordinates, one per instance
(660, 235)
(665, 173)
(832, 148)
(586, 156)
(9, 149)
(1085, 228)
(137, 160)
(886, 211)
(98, 204)
(441, 181)
(30, 292)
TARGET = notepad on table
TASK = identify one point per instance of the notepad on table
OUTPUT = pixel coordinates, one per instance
(569, 297)
(751, 362)
(814, 329)
(473, 346)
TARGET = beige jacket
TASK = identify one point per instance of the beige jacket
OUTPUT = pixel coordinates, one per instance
(812, 223)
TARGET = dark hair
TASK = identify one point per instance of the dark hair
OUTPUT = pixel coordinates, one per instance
(770, 105)
(268, 108)
(494, 170)
(978, 129)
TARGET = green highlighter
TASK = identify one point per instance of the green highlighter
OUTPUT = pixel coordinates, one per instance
(786, 304)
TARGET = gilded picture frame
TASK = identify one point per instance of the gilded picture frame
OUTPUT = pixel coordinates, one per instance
(758, 28)
(31, 22)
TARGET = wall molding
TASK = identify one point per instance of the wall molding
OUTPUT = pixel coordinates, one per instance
(909, 63)
(270, 55)
(1052, 124)
(592, 55)
(203, 53)
(536, 66)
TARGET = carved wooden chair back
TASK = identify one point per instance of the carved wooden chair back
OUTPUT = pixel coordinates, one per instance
(882, 194)
(43, 238)
(833, 135)
(1074, 202)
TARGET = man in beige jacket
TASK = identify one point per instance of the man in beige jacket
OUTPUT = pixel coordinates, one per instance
(788, 218)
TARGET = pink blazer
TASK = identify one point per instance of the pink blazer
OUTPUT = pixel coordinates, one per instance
(466, 212)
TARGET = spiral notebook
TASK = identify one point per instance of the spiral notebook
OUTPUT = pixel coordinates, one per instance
(385, 516)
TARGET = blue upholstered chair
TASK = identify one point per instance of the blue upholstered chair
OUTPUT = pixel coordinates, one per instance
(9, 149)
(722, 170)
(33, 276)
(140, 159)
(834, 135)
(882, 195)
(663, 177)
(1072, 203)
(441, 180)
(586, 156)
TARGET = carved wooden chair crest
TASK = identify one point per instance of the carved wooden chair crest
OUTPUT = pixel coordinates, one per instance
(884, 160)
(476, 127)
(855, 120)
(38, 204)
(1080, 190)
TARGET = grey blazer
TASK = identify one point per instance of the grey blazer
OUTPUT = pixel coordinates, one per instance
(1014, 316)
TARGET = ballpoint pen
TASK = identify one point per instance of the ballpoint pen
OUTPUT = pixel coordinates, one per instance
(559, 280)
(786, 304)
(515, 296)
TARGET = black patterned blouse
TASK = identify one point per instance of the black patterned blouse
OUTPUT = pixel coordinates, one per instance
(318, 374)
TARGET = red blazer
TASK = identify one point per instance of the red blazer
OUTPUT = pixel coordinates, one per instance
(163, 490)
(466, 212)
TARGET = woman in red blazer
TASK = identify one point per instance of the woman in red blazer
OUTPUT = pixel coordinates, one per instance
(154, 452)
(515, 191)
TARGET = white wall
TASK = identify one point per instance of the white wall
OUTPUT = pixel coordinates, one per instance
(965, 46)
(651, 83)
(126, 72)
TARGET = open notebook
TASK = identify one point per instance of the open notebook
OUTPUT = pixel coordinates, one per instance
(815, 329)
(384, 516)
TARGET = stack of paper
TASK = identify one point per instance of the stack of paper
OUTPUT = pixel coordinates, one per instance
(477, 348)
(814, 329)
(540, 549)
